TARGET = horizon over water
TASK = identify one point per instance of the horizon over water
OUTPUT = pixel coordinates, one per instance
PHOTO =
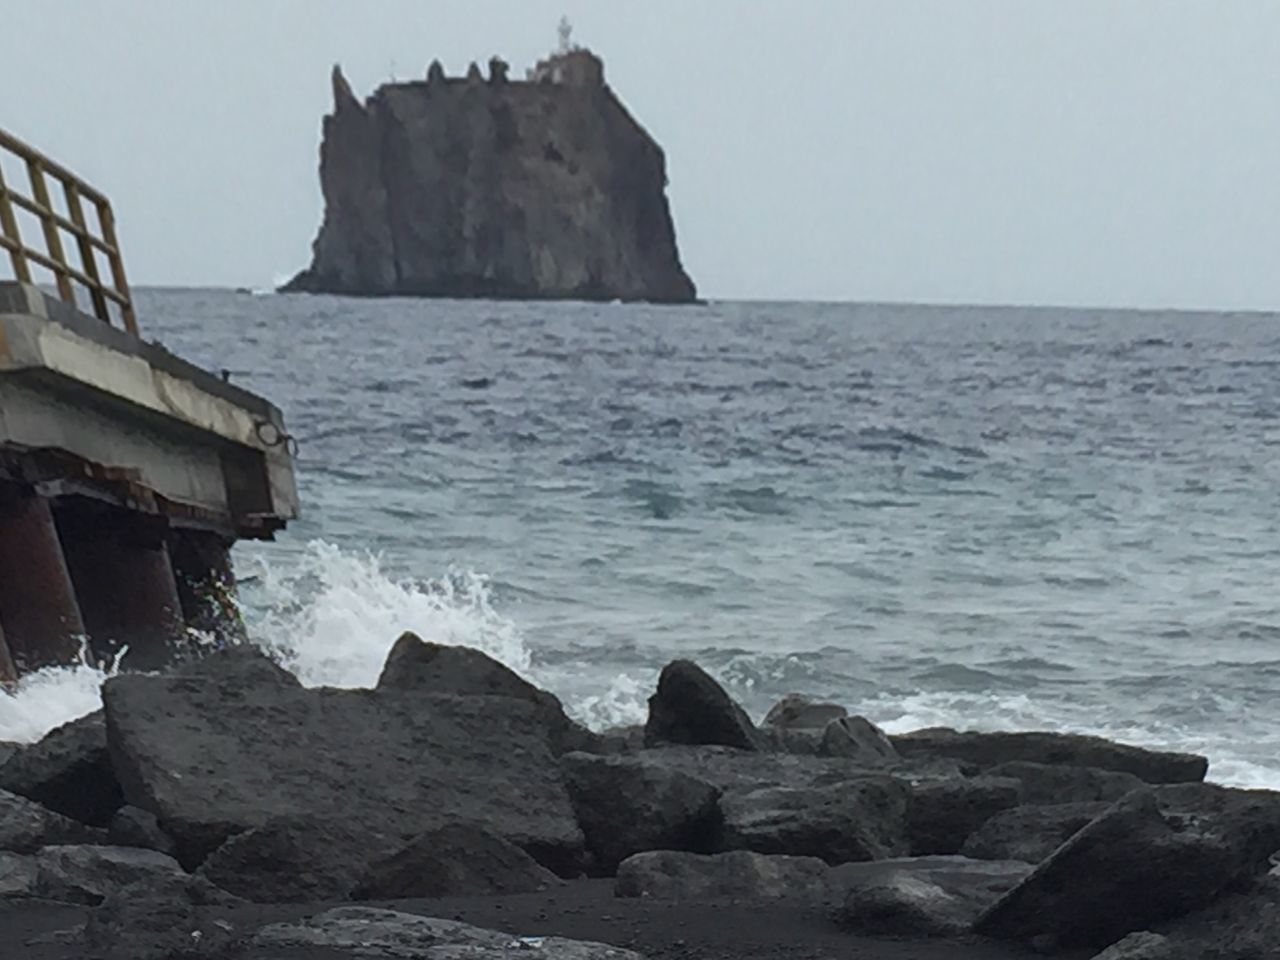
(979, 517)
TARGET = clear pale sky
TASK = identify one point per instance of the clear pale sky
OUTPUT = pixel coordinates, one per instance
(1109, 152)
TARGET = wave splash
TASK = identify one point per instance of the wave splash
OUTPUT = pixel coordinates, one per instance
(331, 618)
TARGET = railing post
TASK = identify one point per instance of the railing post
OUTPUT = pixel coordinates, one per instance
(9, 228)
(52, 239)
(87, 259)
(108, 222)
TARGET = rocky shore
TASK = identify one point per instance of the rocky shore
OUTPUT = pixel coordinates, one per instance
(222, 810)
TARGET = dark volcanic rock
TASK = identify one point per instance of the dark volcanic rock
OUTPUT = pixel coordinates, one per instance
(18, 875)
(1241, 926)
(7, 750)
(1125, 871)
(690, 707)
(25, 826)
(366, 932)
(857, 738)
(1143, 945)
(1030, 833)
(798, 712)
(862, 819)
(674, 875)
(134, 827)
(211, 759)
(942, 814)
(1062, 783)
(458, 860)
(460, 188)
(989, 749)
(87, 874)
(69, 771)
(158, 918)
(920, 896)
(415, 666)
(295, 860)
(627, 804)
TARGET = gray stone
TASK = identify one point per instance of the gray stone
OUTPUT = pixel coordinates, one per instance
(501, 190)
(69, 772)
(991, 749)
(690, 707)
(25, 826)
(1030, 833)
(1143, 945)
(134, 827)
(1243, 925)
(863, 819)
(628, 804)
(18, 875)
(458, 860)
(1125, 871)
(159, 918)
(857, 738)
(942, 814)
(416, 666)
(795, 711)
(211, 759)
(294, 859)
(741, 874)
(368, 932)
(1063, 783)
(86, 874)
(7, 749)
(919, 896)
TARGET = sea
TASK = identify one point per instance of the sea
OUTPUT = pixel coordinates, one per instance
(989, 518)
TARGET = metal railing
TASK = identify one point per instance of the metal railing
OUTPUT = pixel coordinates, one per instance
(53, 225)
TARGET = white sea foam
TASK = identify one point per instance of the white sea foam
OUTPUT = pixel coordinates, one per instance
(331, 617)
(50, 697)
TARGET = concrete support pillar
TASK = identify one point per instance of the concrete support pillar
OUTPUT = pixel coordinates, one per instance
(127, 592)
(38, 608)
(206, 585)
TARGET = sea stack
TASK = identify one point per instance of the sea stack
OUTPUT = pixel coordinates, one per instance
(483, 186)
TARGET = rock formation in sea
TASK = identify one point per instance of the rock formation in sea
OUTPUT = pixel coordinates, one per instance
(491, 187)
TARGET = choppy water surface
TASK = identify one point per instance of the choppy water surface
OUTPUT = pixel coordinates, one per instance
(990, 518)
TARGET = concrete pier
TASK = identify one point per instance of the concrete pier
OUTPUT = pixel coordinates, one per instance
(126, 474)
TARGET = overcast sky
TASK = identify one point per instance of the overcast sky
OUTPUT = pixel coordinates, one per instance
(1112, 152)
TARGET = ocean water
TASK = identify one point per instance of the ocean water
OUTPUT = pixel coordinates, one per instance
(988, 518)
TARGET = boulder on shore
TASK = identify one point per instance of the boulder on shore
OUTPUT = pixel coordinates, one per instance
(210, 759)
(1127, 870)
(990, 749)
(860, 819)
(918, 896)
(454, 861)
(942, 814)
(795, 711)
(69, 771)
(1030, 833)
(416, 666)
(689, 707)
(628, 804)
(1058, 783)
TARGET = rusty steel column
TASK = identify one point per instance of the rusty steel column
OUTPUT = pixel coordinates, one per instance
(127, 592)
(38, 606)
(8, 672)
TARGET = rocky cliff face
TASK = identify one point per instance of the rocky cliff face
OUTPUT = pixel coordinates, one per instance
(484, 187)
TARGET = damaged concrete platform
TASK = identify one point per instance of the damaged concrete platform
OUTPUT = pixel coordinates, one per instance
(126, 474)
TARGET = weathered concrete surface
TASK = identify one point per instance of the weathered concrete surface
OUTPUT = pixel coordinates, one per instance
(468, 188)
(181, 431)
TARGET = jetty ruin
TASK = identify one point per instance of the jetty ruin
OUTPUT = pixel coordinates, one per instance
(126, 473)
(487, 186)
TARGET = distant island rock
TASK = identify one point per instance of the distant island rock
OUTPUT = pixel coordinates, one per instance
(476, 186)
